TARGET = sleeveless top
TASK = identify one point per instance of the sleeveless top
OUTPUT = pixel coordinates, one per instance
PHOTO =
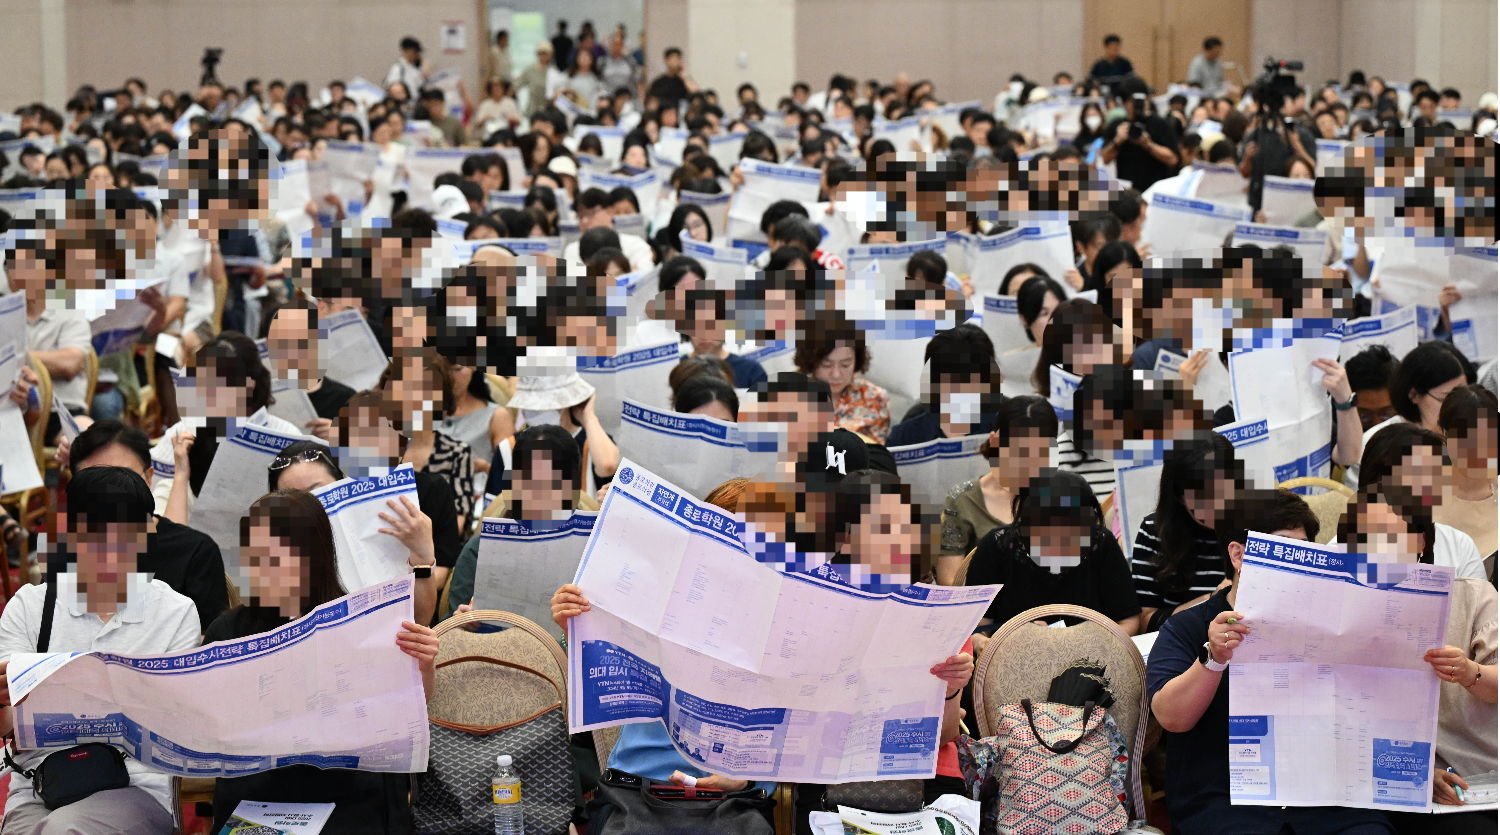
(473, 429)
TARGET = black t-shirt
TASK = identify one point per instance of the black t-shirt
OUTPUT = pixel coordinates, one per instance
(330, 398)
(1198, 760)
(189, 561)
(1101, 581)
(1273, 149)
(364, 801)
(1134, 163)
(435, 498)
(1107, 69)
(668, 89)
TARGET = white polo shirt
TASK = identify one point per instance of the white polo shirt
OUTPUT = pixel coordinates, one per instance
(154, 620)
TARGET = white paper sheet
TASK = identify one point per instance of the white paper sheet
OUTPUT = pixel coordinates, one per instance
(716, 206)
(1177, 224)
(423, 165)
(640, 374)
(759, 675)
(1048, 245)
(292, 404)
(353, 354)
(12, 334)
(726, 265)
(1330, 701)
(1212, 387)
(765, 183)
(1307, 243)
(1396, 330)
(1475, 325)
(521, 564)
(331, 689)
(365, 555)
(1284, 199)
(235, 479)
(1003, 323)
(695, 452)
(1278, 394)
(934, 467)
(646, 185)
(18, 470)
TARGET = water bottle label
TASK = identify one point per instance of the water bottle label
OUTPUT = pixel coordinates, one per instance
(507, 794)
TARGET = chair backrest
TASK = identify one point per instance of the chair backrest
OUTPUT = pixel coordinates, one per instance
(91, 364)
(44, 392)
(1328, 505)
(962, 575)
(221, 292)
(234, 591)
(1022, 659)
(496, 694)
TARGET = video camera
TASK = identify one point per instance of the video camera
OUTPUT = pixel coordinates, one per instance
(1272, 88)
(211, 58)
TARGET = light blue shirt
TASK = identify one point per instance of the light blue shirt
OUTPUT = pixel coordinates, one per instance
(645, 749)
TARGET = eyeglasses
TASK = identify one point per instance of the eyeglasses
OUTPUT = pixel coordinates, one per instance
(303, 457)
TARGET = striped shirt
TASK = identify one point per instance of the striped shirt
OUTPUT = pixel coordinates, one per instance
(1207, 568)
(1099, 474)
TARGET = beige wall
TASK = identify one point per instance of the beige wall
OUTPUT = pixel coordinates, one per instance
(968, 48)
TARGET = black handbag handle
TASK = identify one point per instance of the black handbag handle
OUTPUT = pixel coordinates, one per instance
(1061, 747)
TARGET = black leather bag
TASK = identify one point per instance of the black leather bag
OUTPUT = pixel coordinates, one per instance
(625, 805)
(884, 796)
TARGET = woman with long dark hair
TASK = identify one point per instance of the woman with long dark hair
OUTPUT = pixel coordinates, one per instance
(288, 557)
(1176, 561)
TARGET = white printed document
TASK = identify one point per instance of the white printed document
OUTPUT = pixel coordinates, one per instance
(331, 690)
(757, 674)
(934, 467)
(353, 354)
(1330, 702)
(365, 555)
(521, 564)
(1272, 379)
(235, 479)
(695, 452)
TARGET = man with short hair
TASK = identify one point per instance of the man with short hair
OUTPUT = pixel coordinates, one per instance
(593, 209)
(106, 603)
(1450, 99)
(674, 85)
(618, 69)
(1113, 67)
(410, 69)
(488, 170)
(184, 558)
(562, 46)
(1190, 694)
(434, 105)
(1143, 147)
(1427, 105)
(1206, 71)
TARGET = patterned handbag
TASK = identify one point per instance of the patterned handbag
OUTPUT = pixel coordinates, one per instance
(884, 796)
(453, 796)
(1049, 768)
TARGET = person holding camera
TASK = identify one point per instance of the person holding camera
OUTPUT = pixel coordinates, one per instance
(1143, 147)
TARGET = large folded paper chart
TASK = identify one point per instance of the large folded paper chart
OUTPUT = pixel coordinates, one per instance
(521, 564)
(757, 674)
(695, 452)
(331, 690)
(365, 555)
(1330, 700)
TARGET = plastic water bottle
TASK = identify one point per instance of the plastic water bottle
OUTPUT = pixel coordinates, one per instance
(505, 790)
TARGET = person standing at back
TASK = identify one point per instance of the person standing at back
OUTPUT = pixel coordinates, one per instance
(411, 71)
(1207, 68)
(1142, 147)
(562, 46)
(674, 85)
(1113, 66)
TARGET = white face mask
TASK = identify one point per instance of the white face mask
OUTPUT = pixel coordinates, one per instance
(1016, 87)
(542, 417)
(764, 436)
(1092, 122)
(962, 407)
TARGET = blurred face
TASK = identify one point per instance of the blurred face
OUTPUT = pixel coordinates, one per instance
(56, 169)
(837, 369)
(222, 399)
(885, 540)
(1299, 171)
(1374, 406)
(292, 344)
(1039, 325)
(1082, 355)
(1091, 249)
(1474, 450)
(1022, 459)
(1385, 535)
(106, 553)
(1206, 504)
(635, 157)
(1419, 476)
(543, 490)
(1055, 547)
(674, 64)
(277, 574)
(1328, 125)
(696, 228)
(481, 233)
(490, 179)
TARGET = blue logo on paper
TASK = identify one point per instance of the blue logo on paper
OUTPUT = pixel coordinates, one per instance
(627, 475)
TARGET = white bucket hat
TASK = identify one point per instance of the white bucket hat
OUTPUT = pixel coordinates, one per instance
(553, 391)
(448, 201)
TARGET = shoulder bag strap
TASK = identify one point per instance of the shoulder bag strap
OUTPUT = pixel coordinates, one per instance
(1061, 747)
(49, 603)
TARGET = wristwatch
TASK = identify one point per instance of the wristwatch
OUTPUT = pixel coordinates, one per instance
(1346, 406)
(1206, 658)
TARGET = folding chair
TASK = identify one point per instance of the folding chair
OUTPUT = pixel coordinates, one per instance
(1022, 659)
